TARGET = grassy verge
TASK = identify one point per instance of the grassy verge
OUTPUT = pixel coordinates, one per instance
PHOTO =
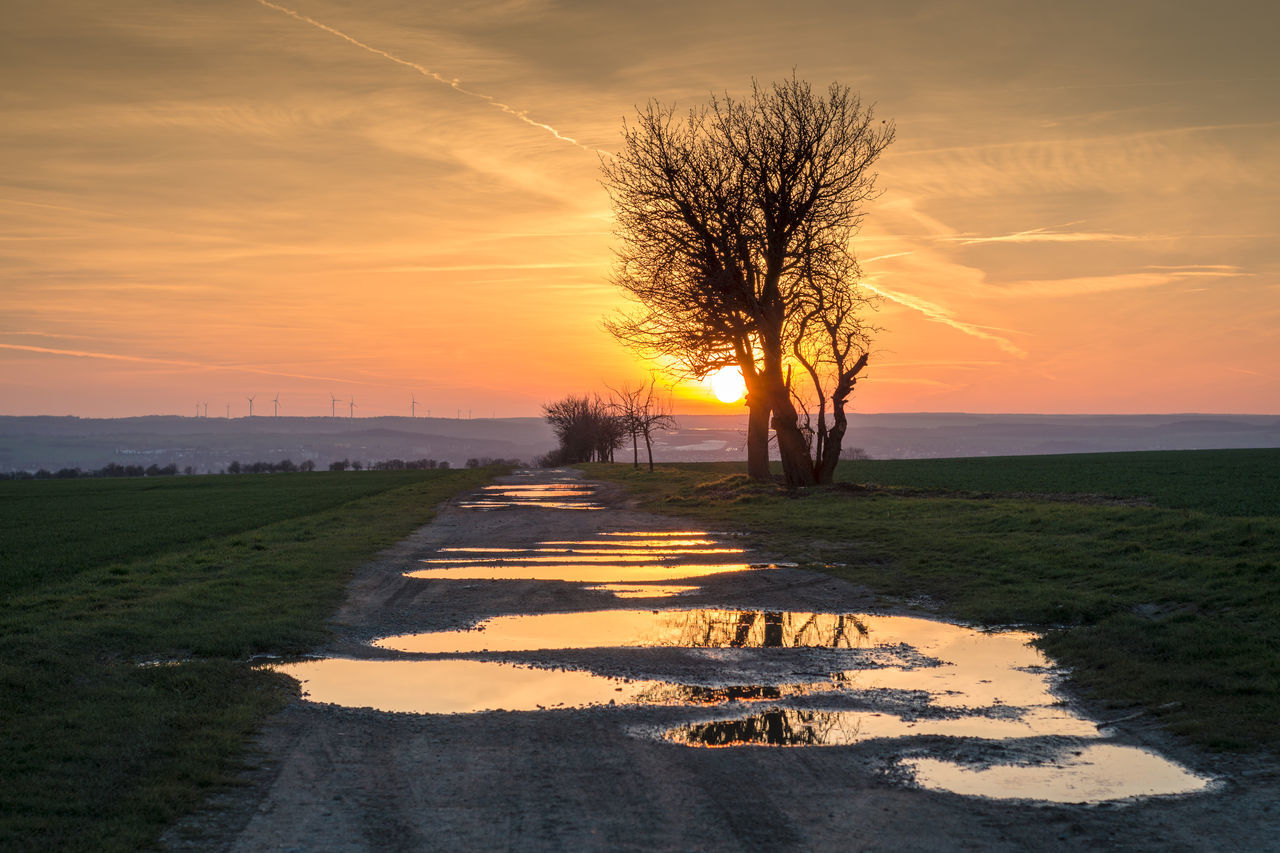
(100, 753)
(1169, 602)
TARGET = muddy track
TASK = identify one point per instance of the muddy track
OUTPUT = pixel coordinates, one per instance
(329, 778)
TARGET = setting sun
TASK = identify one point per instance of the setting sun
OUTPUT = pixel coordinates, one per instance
(726, 383)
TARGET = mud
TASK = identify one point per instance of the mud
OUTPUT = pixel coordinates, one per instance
(598, 776)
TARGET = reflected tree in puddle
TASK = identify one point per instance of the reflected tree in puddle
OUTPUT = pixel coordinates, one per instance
(700, 628)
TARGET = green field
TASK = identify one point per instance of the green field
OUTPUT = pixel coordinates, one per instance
(1155, 576)
(99, 576)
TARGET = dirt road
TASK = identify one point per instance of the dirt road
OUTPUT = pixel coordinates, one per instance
(332, 778)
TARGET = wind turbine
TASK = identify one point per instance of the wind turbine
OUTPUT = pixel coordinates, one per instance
(413, 406)
(276, 403)
(250, 399)
(206, 410)
(333, 402)
(353, 408)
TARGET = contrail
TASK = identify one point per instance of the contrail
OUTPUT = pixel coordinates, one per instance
(941, 315)
(427, 72)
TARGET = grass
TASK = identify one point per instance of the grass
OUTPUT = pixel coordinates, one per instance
(98, 576)
(1167, 599)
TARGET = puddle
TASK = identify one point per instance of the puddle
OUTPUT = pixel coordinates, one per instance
(563, 495)
(701, 629)
(457, 686)
(642, 553)
(803, 727)
(631, 590)
(541, 504)
(633, 543)
(468, 687)
(592, 573)
(1092, 774)
(658, 533)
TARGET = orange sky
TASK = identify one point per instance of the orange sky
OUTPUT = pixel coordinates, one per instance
(200, 202)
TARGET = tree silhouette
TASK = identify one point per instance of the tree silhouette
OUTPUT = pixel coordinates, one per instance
(587, 428)
(642, 412)
(727, 217)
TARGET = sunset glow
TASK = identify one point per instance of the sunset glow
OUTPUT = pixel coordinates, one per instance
(392, 202)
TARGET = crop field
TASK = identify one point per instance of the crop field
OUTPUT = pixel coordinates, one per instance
(1154, 576)
(107, 580)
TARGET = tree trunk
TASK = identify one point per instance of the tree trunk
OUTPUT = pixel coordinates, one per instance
(648, 446)
(758, 437)
(826, 465)
(793, 450)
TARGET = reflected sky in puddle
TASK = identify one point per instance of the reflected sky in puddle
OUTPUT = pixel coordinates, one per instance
(457, 686)
(582, 572)
(630, 590)
(615, 557)
(540, 504)
(643, 553)
(699, 629)
(670, 542)
(466, 687)
(1091, 774)
(561, 495)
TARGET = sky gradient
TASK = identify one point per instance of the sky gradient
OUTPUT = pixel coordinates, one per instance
(205, 201)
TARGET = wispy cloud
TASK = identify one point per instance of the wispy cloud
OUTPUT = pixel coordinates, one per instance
(945, 316)
(173, 362)
(483, 267)
(1051, 235)
(452, 82)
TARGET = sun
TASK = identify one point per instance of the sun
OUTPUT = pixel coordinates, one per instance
(726, 383)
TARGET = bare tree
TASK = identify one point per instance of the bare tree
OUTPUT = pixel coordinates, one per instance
(642, 412)
(831, 342)
(723, 216)
(586, 428)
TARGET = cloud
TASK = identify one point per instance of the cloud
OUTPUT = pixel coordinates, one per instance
(173, 362)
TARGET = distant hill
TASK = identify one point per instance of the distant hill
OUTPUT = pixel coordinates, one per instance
(210, 444)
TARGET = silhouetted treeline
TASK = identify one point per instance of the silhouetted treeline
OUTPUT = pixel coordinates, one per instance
(285, 466)
(109, 470)
(486, 461)
(389, 465)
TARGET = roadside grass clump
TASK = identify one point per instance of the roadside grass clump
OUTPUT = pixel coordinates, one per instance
(1159, 604)
(126, 691)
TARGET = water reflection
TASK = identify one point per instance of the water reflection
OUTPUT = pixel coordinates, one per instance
(697, 628)
(539, 504)
(457, 686)
(669, 542)
(593, 573)
(467, 687)
(558, 495)
(635, 590)
(1091, 774)
(804, 727)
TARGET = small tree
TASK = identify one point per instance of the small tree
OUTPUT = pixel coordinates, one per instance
(586, 427)
(642, 411)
